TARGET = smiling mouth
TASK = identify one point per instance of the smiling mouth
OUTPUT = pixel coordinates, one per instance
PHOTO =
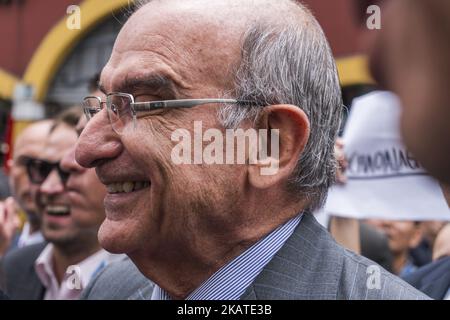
(127, 187)
(57, 210)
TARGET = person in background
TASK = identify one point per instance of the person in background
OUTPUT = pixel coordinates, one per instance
(9, 223)
(29, 145)
(410, 57)
(422, 254)
(433, 279)
(71, 201)
(441, 248)
(346, 231)
(354, 234)
(375, 246)
(93, 85)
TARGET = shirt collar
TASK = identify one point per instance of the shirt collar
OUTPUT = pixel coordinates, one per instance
(87, 267)
(231, 281)
(44, 265)
(27, 238)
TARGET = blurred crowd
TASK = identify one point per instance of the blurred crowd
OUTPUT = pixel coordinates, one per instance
(52, 204)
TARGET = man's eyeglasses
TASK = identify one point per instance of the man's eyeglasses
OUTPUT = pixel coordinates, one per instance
(38, 170)
(122, 110)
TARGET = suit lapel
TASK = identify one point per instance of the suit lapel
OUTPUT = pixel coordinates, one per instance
(249, 294)
(308, 266)
(32, 285)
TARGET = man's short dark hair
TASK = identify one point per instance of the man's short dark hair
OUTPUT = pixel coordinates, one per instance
(68, 117)
(93, 82)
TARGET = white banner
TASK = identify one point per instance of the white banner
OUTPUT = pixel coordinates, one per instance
(385, 181)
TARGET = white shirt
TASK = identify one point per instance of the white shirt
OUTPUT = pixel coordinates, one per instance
(27, 238)
(76, 277)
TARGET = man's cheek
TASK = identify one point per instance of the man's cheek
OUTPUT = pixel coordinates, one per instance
(157, 131)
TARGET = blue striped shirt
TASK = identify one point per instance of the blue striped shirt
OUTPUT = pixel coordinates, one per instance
(231, 281)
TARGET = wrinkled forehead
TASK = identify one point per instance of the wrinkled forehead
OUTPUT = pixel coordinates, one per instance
(60, 141)
(182, 43)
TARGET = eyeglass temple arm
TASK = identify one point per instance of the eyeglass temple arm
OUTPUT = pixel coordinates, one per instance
(183, 103)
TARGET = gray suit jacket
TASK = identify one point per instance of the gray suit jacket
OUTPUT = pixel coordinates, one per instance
(18, 276)
(310, 265)
(119, 281)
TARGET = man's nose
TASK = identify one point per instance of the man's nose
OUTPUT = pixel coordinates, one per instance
(52, 184)
(97, 142)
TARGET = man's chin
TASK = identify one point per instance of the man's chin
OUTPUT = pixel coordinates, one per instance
(58, 237)
(114, 236)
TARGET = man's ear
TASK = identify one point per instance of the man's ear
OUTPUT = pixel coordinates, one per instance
(287, 134)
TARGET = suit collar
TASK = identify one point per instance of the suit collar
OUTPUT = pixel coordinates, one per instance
(308, 266)
(30, 286)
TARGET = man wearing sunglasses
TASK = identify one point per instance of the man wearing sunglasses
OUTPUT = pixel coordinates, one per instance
(70, 199)
(212, 230)
(28, 145)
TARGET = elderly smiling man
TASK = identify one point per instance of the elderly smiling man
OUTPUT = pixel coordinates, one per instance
(222, 231)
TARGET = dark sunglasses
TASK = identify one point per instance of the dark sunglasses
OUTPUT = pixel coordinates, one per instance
(38, 170)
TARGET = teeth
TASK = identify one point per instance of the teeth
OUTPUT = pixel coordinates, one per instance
(128, 186)
(58, 209)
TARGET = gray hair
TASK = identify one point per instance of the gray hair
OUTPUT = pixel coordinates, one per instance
(290, 62)
(293, 64)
